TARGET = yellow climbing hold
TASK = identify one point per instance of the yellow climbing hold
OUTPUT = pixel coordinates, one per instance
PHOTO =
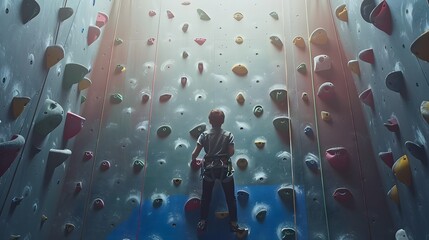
(238, 16)
(239, 40)
(84, 84)
(424, 110)
(120, 68)
(326, 116)
(18, 104)
(260, 143)
(240, 98)
(221, 214)
(353, 65)
(319, 36)
(299, 42)
(402, 170)
(393, 194)
(304, 97)
(341, 13)
(240, 69)
(420, 47)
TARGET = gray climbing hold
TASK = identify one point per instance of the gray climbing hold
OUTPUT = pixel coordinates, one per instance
(185, 27)
(203, 15)
(163, 131)
(276, 42)
(281, 124)
(185, 55)
(56, 157)
(312, 162)
(274, 15)
(258, 110)
(197, 130)
(116, 98)
(29, 10)
(278, 95)
(138, 165)
(74, 73)
(286, 194)
(366, 8)
(302, 68)
(18, 105)
(64, 13)
(395, 81)
(9, 150)
(417, 150)
(50, 116)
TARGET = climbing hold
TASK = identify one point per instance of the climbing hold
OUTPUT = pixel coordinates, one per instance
(420, 47)
(341, 13)
(138, 165)
(261, 214)
(98, 204)
(274, 15)
(278, 95)
(200, 67)
(43, 218)
(392, 124)
(417, 150)
(353, 65)
(242, 163)
(304, 97)
(196, 164)
(9, 151)
(102, 19)
(302, 68)
(56, 157)
(116, 98)
(342, 195)
(18, 105)
(367, 55)
(281, 124)
(424, 110)
(387, 158)
(402, 170)
(242, 197)
(258, 110)
(326, 116)
(183, 81)
(381, 18)
(366, 8)
(177, 181)
(118, 41)
(308, 131)
(319, 36)
(74, 73)
(203, 15)
(145, 98)
(394, 194)
(170, 15)
(260, 143)
(82, 99)
(312, 162)
(53, 55)
(88, 155)
(84, 84)
(185, 27)
(200, 41)
(152, 13)
(367, 97)
(78, 187)
(276, 42)
(326, 91)
(50, 116)
(240, 69)
(193, 204)
(68, 228)
(322, 63)
(338, 158)
(150, 41)
(221, 214)
(17, 200)
(240, 98)
(239, 40)
(104, 165)
(395, 81)
(299, 42)
(93, 34)
(238, 16)
(288, 234)
(197, 130)
(29, 10)
(401, 235)
(185, 54)
(186, 3)
(163, 131)
(286, 194)
(64, 13)
(165, 97)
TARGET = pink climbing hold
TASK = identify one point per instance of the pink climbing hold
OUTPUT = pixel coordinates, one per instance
(88, 155)
(152, 13)
(9, 151)
(105, 165)
(387, 158)
(338, 158)
(200, 67)
(150, 41)
(367, 97)
(196, 164)
(98, 204)
(200, 41)
(170, 14)
(78, 187)
(102, 19)
(192, 204)
(342, 195)
(392, 124)
(73, 125)
(381, 17)
(93, 34)
(367, 55)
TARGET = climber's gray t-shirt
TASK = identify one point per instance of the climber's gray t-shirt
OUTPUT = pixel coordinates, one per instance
(216, 141)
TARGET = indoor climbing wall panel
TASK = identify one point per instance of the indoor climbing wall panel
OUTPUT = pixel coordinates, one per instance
(46, 52)
(398, 80)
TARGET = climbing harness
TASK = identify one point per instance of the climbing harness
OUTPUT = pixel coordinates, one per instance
(217, 167)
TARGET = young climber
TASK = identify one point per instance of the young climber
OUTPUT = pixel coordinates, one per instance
(218, 145)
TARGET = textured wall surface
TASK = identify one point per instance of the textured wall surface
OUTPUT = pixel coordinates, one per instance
(110, 157)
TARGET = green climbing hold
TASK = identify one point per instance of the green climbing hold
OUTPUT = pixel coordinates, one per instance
(274, 15)
(281, 124)
(74, 73)
(197, 130)
(302, 68)
(163, 131)
(203, 15)
(279, 95)
(138, 165)
(276, 42)
(258, 110)
(82, 99)
(116, 98)
(288, 234)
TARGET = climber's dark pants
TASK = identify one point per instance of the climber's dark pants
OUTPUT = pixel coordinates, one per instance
(228, 189)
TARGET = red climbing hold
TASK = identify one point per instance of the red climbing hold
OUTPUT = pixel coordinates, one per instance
(9, 151)
(367, 55)
(102, 19)
(342, 195)
(381, 17)
(338, 158)
(367, 97)
(98, 204)
(392, 124)
(93, 34)
(193, 204)
(170, 14)
(78, 187)
(105, 165)
(196, 164)
(150, 41)
(387, 158)
(88, 155)
(152, 13)
(73, 125)
(200, 67)
(200, 41)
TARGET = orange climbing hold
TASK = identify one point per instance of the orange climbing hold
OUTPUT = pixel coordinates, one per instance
(240, 69)
(18, 105)
(299, 42)
(402, 170)
(420, 47)
(319, 37)
(93, 34)
(353, 65)
(53, 55)
(102, 19)
(393, 194)
(341, 13)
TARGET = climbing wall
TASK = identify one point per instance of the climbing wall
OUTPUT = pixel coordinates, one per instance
(108, 102)
(393, 72)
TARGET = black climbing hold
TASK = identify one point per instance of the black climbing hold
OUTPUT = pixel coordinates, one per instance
(417, 150)
(163, 131)
(288, 234)
(395, 81)
(286, 194)
(261, 214)
(29, 10)
(157, 202)
(366, 8)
